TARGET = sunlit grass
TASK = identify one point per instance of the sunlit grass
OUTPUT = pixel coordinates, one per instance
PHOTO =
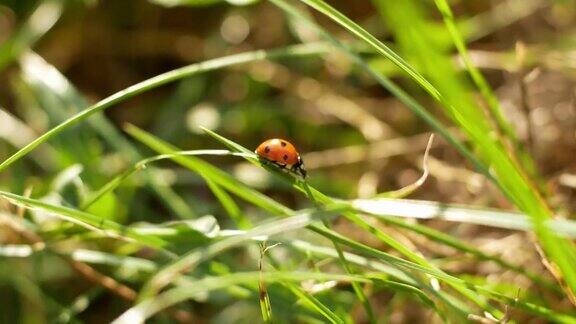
(334, 259)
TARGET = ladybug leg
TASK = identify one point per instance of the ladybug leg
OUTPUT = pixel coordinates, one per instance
(299, 168)
(302, 172)
(276, 164)
(264, 162)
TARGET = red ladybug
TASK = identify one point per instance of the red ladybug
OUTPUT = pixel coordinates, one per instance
(283, 154)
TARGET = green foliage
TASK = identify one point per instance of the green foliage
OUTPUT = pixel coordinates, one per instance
(460, 107)
(201, 3)
(169, 231)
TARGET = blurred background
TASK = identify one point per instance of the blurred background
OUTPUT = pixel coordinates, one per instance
(59, 56)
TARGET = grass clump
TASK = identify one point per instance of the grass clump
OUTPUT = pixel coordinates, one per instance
(177, 219)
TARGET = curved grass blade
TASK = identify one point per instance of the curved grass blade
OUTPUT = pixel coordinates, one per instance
(422, 209)
(510, 176)
(271, 205)
(409, 189)
(189, 261)
(207, 170)
(313, 303)
(148, 307)
(117, 181)
(88, 221)
(34, 68)
(475, 74)
(162, 79)
(318, 197)
(402, 96)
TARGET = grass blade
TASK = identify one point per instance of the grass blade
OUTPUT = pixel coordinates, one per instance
(512, 179)
(313, 303)
(189, 261)
(86, 220)
(141, 165)
(162, 79)
(402, 96)
(479, 80)
(207, 170)
(148, 307)
(35, 67)
(318, 198)
(231, 184)
(422, 209)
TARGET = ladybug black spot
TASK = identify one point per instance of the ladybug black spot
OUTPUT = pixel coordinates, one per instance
(283, 144)
(285, 157)
(267, 149)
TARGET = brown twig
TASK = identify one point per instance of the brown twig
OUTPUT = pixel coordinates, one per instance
(553, 269)
(98, 278)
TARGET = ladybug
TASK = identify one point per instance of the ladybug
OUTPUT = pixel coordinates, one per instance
(283, 154)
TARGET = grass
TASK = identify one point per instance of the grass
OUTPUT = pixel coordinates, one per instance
(335, 258)
(509, 175)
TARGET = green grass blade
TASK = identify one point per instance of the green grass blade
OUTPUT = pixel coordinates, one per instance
(380, 47)
(313, 303)
(141, 165)
(319, 198)
(35, 67)
(316, 198)
(207, 170)
(511, 178)
(402, 96)
(229, 205)
(149, 307)
(455, 243)
(422, 209)
(189, 261)
(495, 112)
(475, 74)
(86, 220)
(401, 263)
(162, 79)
